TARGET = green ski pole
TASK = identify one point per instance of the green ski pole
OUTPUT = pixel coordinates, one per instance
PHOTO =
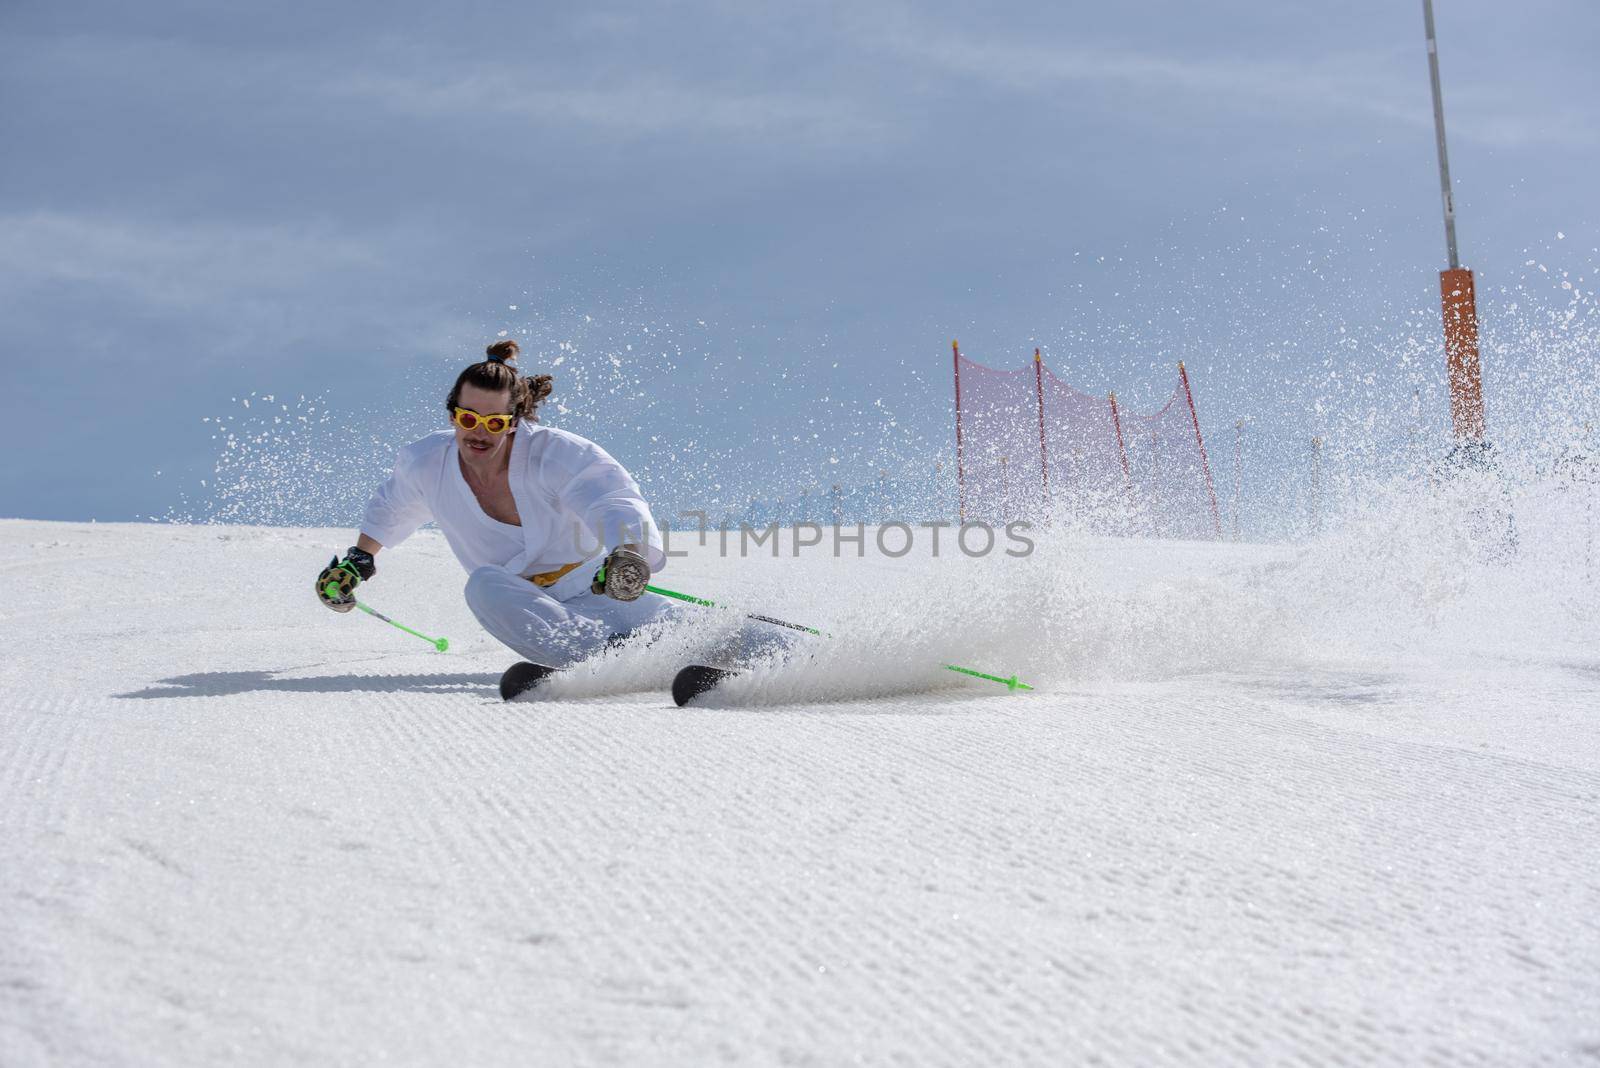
(440, 644)
(748, 615)
(1013, 683)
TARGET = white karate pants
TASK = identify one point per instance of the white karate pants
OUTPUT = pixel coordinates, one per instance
(558, 634)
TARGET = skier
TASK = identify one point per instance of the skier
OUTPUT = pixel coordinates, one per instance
(557, 540)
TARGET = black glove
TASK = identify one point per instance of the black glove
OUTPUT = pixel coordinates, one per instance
(338, 581)
(622, 576)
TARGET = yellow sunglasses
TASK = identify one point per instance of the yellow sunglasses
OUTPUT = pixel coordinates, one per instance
(499, 423)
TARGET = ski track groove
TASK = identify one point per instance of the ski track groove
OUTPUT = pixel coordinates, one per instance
(771, 832)
(50, 752)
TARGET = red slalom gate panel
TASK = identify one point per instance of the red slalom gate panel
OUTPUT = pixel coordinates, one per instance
(1088, 484)
(1033, 447)
(1172, 492)
(1002, 466)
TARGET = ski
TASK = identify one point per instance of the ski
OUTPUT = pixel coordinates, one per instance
(521, 677)
(696, 679)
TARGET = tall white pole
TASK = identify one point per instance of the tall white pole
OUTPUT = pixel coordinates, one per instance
(1438, 129)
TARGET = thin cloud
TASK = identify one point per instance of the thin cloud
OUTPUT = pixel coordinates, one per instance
(633, 110)
(208, 288)
(403, 77)
(1363, 85)
(177, 264)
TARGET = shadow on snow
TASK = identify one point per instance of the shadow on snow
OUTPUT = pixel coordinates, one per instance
(227, 683)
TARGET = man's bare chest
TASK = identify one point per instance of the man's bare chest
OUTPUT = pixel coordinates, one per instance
(494, 497)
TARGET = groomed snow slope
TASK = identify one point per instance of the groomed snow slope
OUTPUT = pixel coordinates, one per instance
(1235, 824)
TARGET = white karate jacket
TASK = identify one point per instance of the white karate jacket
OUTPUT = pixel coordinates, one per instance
(576, 504)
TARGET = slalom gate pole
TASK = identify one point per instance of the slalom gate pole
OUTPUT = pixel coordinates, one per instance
(1128, 502)
(440, 644)
(961, 481)
(1012, 683)
(1205, 465)
(1122, 449)
(1044, 457)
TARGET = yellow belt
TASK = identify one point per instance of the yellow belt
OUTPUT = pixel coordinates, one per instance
(550, 578)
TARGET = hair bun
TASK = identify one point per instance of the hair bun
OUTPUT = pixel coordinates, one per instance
(504, 351)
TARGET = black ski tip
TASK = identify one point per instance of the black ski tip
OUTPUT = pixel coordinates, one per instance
(520, 678)
(695, 680)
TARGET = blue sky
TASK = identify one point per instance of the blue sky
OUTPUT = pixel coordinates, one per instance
(748, 231)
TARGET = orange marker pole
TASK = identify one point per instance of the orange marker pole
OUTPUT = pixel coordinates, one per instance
(1461, 353)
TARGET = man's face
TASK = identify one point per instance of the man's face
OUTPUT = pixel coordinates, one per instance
(477, 444)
